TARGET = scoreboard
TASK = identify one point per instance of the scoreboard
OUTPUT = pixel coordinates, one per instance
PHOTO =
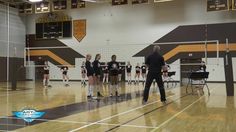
(52, 30)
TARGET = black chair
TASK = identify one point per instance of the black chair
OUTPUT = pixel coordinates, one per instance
(170, 79)
(198, 76)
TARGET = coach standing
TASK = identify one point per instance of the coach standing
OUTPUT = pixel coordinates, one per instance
(155, 63)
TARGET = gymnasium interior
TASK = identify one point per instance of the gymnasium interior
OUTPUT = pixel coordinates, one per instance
(190, 34)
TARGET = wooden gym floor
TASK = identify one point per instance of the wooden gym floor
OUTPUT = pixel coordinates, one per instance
(67, 109)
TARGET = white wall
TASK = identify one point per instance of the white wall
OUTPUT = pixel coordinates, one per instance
(17, 32)
(125, 30)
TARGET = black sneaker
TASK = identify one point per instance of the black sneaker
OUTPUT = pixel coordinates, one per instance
(144, 102)
(99, 94)
(117, 94)
(163, 101)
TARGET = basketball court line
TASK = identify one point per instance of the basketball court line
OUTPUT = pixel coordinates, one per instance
(91, 122)
(146, 113)
(76, 122)
(99, 123)
(167, 121)
(19, 92)
(94, 123)
(122, 113)
(11, 125)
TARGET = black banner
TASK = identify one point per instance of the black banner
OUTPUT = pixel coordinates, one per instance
(119, 2)
(25, 8)
(77, 4)
(217, 5)
(59, 5)
(139, 1)
(42, 7)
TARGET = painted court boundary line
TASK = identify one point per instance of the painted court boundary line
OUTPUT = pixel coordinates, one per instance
(110, 117)
(76, 122)
(171, 118)
(146, 113)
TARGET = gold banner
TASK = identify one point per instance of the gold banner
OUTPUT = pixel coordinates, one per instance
(79, 29)
(233, 5)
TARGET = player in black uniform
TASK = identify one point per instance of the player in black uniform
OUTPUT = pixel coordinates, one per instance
(98, 71)
(120, 73)
(65, 77)
(203, 66)
(46, 69)
(90, 75)
(113, 68)
(165, 72)
(128, 71)
(83, 73)
(137, 73)
(105, 73)
(144, 72)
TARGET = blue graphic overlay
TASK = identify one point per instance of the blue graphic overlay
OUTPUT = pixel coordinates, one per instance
(28, 115)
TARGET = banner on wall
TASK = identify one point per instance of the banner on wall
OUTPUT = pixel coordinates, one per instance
(217, 5)
(77, 4)
(42, 7)
(79, 29)
(119, 2)
(59, 5)
(139, 1)
(233, 4)
(25, 8)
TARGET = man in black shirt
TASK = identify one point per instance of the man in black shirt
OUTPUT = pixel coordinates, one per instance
(156, 64)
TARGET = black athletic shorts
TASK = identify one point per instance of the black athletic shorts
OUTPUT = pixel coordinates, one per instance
(64, 72)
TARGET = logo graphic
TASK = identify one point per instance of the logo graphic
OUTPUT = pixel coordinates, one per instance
(28, 115)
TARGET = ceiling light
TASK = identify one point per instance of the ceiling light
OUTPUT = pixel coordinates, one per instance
(35, 0)
(162, 0)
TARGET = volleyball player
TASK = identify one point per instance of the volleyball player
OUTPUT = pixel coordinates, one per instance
(120, 73)
(113, 68)
(46, 69)
(90, 75)
(144, 72)
(105, 74)
(128, 71)
(65, 77)
(97, 70)
(165, 73)
(137, 73)
(83, 73)
(203, 66)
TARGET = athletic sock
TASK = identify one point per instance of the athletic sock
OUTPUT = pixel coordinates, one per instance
(110, 89)
(91, 89)
(44, 82)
